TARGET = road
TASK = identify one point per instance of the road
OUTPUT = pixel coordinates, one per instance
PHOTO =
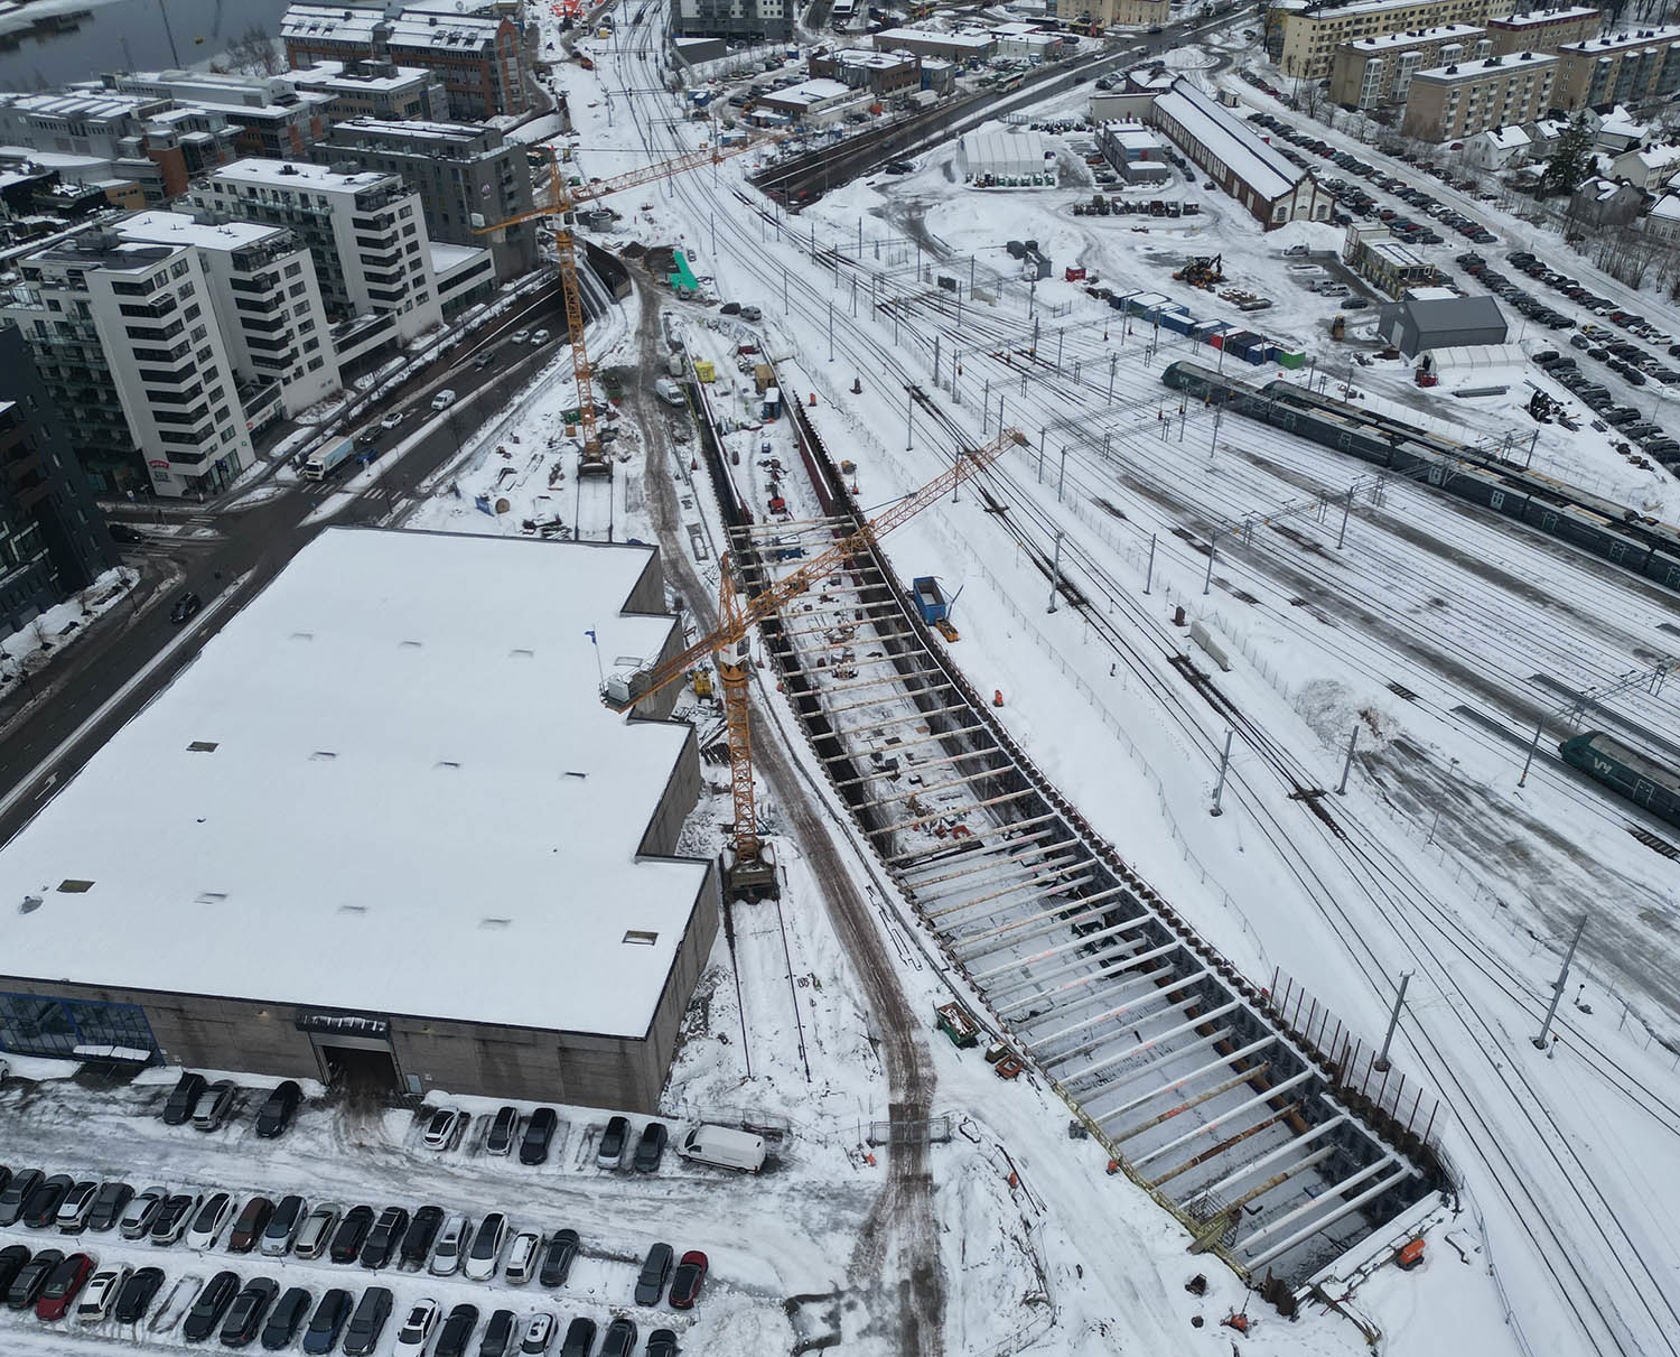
(133, 652)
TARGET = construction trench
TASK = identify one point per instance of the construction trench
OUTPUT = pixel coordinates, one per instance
(1198, 1087)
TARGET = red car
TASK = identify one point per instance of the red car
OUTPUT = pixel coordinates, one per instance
(687, 1279)
(61, 1288)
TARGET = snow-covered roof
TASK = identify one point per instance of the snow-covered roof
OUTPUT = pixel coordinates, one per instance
(448, 259)
(444, 32)
(1651, 157)
(1011, 152)
(977, 42)
(1542, 18)
(1666, 208)
(1474, 70)
(387, 785)
(331, 76)
(1613, 42)
(1511, 138)
(299, 174)
(177, 228)
(335, 23)
(1237, 145)
(809, 92)
(1421, 37)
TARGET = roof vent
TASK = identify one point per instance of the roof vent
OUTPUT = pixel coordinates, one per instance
(30, 904)
(210, 897)
(323, 756)
(448, 765)
(74, 886)
(303, 636)
(409, 645)
(494, 923)
(352, 909)
(202, 747)
(522, 654)
(639, 937)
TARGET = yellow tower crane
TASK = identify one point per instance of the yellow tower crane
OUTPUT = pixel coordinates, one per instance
(749, 867)
(562, 201)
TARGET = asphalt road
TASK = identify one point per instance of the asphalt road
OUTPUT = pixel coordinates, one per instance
(133, 652)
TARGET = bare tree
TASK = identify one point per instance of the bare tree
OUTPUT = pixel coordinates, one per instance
(253, 53)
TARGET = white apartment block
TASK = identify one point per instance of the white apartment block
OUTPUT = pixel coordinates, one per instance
(267, 302)
(125, 337)
(364, 231)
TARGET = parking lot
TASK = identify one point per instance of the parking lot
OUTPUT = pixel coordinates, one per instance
(390, 1203)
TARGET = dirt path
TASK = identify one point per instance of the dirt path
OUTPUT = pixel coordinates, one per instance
(901, 1222)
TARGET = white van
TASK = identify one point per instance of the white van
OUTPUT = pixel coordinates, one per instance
(669, 391)
(723, 1148)
(443, 400)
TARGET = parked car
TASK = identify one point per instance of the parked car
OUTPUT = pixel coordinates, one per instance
(278, 1109)
(109, 1203)
(609, 1154)
(189, 1088)
(31, 1278)
(317, 1231)
(141, 1211)
(417, 1239)
(136, 1295)
(501, 1335)
(63, 1284)
(211, 1305)
(539, 1133)
(443, 400)
(245, 1315)
(283, 1226)
(186, 608)
(13, 1259)
(41, 1210)
(558, 1258)
(16, 1194)
(332, 1312)
(383, 1239)
(249, 1226)
(580, 1338)
(351, 1234)
(368, 1322)
(77, 1205)
(416, 1329)
(504, 1130)
(444, 1128)
(656, 1270)
(100, 1294)
(211, 1220)
(452, 1242)
(522, 1257)
(621, 1338)
(285, 1319)
(457, 1332)
(661, 1343)
(215, 1107)
(650, 1149)
(538, 1336)
(687, 1280)
(487, 1245)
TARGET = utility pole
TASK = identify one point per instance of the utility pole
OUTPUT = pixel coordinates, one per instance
(1113, 361)
(831, 332)
(986, 405)
(1149, 574)
(1061, 474)
(1213, 549)
(1347, 763)
(910, 418)
(1557, 989)
(1055, 573)
(1381, 1062)
(1532, 746)
(1224, 763)
(1347, 508)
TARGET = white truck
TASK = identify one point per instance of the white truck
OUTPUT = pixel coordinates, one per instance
(723, 1148)
(326, 460)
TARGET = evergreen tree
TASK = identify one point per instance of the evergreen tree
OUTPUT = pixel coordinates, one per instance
(1571, 162)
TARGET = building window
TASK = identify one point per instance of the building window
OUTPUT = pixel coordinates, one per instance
(40, 1025)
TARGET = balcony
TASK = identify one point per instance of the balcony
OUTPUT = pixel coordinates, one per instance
(263, 282)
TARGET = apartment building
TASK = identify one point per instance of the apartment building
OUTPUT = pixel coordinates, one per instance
(1311, 36)
(468, 176)
(144, 138)
(364, 230)
(126, 342)
(1639, 67)
(1457, 101)
(272, 117)
(881, 73)
(53, 539)
(747, 20)
(478, 57)
(1543, 30)
(1371, 72)
(266, 302)
(1130, 13)
(373, 88)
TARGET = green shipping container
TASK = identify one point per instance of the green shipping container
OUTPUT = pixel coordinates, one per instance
(1289, 360)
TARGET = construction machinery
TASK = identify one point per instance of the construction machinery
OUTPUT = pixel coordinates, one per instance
(1202, 271)
(561, 202)
(749, 866)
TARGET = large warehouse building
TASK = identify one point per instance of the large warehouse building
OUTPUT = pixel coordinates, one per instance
(384, 827)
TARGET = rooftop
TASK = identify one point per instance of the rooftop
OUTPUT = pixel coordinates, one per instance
(1540, 18)
(332, 77)
(456, 32)
(298, 174)
(1470, 70)
(809, 92)
(341, 22)
(386, 785)
(979, 42)
(1240, 147)
(84, 104)
(178, 228)
(396, 129)
(1444, 33)
(1360, 7)
(1638, 37)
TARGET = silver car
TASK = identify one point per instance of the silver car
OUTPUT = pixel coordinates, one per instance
(451, 1245)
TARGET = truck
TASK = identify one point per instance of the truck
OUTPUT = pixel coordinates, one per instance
(723, 1148)
(326, 460)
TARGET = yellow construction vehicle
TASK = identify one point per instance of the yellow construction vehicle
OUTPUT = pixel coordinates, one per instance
(749, 865)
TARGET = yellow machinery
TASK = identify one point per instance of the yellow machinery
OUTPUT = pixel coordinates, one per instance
(563, 199)
(749, 867)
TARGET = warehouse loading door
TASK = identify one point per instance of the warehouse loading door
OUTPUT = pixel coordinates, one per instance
(354, 1053)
